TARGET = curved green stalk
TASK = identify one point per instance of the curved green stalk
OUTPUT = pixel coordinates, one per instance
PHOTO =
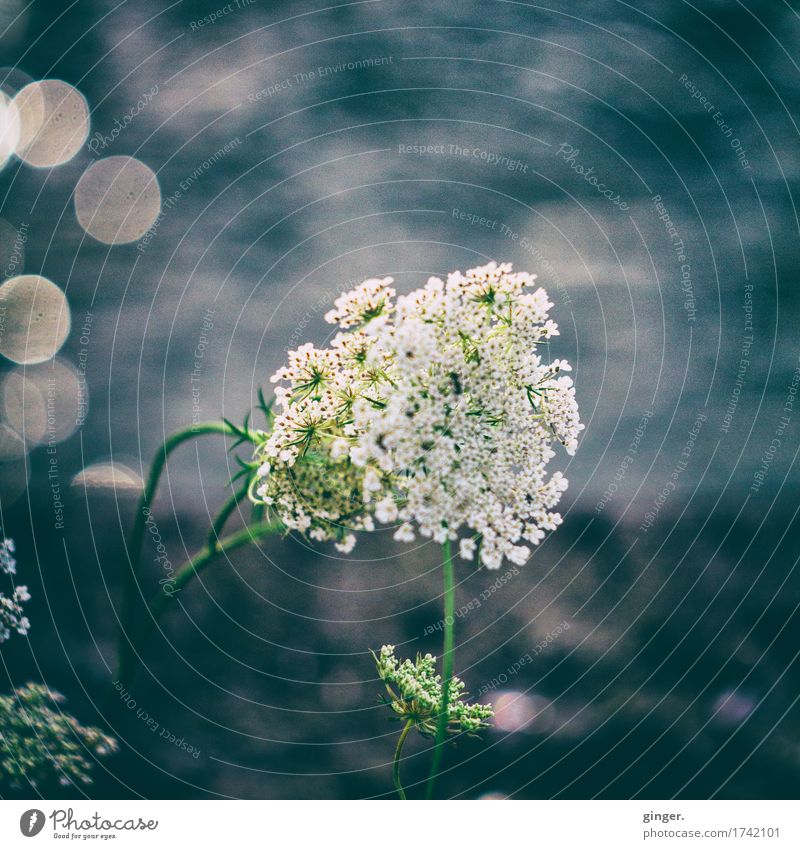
(140, 519)
(396, 764)
(156, 606)
(447, 663)
(224, 514)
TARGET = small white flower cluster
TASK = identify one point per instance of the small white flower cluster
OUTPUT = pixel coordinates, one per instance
(434, 410)
(305, 473)
(41, 746)
(11, 615)
(371, 301)
(415, 693)
(7, 562)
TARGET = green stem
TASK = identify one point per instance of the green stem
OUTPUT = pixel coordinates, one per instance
(196, 565)
(218, 525)
(396, 766)
(447, 663)
(140, 519)
(128, 656)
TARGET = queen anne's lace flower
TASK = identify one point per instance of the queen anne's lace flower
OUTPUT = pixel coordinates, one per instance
(415, 693)
(435, 411)
(371, 300)
(305, 471)
(11, 614)
(43, 747)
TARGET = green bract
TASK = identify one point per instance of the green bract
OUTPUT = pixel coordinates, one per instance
(415, 694)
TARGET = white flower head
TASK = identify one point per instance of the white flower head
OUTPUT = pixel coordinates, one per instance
(437, 411)
(12, 618)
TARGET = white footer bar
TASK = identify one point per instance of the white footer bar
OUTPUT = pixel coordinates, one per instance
(538, 825)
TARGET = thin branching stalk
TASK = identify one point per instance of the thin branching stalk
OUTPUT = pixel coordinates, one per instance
(140, 519)
(218, 525)
(131, 584)
(128, 654)
(447, 663)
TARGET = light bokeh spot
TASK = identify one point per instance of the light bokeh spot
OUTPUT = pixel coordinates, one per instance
(43, 403)
(117, 199)
(732, 707)
(10, 127)
(109, 475)
(54, 123)
(34, 319)
(515, 711)
(23, 407)
(12, 444)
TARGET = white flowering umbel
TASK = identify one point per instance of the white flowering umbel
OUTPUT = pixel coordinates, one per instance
(435, 410)
(304, 472)
(415, 695)
(41, 747)
(467, 429)
(11, 614)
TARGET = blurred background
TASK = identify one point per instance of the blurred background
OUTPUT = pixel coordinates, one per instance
(198, 183)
